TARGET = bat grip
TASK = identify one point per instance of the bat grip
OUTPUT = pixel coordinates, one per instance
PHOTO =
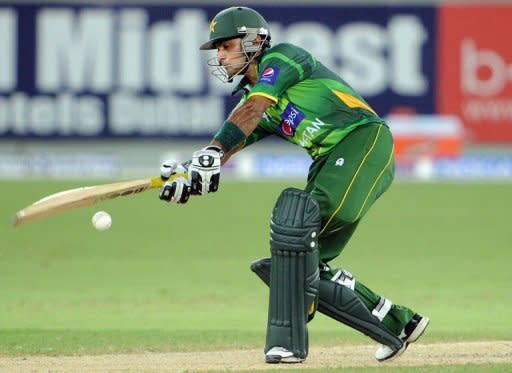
(157, 182)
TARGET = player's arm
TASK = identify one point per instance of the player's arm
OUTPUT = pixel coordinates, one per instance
(248, 115)
(204, 168)
(240, 124)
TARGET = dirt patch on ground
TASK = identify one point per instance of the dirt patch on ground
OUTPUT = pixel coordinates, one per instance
(246, 360)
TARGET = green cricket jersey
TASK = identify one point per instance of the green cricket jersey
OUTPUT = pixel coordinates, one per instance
(314, 108)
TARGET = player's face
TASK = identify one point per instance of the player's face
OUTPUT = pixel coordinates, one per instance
(231, 56)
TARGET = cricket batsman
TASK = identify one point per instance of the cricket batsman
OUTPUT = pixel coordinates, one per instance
(287, 93)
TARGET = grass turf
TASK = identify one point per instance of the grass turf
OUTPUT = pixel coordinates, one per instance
(168, 278)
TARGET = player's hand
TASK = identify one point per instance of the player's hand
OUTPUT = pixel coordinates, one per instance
(171, 167)
(177, 187)
(204, 170)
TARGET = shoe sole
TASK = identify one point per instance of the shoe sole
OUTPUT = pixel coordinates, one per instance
(277, 359)
(396, 354)
(419, 330)
(415, 335)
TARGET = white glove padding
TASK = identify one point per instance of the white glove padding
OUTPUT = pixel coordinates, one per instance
(204, 170)
(178, 188)
(170, 167)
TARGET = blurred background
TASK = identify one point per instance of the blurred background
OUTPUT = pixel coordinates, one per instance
(109, 89)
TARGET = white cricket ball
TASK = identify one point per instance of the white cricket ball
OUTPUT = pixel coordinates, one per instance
(102, 220)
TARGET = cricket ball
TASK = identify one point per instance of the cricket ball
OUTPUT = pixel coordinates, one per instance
(102, 220)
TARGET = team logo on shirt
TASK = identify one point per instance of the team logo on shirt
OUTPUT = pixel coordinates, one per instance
(291, 119)
(269, 75)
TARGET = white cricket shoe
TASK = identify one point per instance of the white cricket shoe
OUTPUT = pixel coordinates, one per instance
(412, 331)
(281, 355)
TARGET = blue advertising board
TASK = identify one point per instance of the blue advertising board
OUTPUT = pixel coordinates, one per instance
(130, 70)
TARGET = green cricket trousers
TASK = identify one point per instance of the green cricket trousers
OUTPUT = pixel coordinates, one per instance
(346, 183)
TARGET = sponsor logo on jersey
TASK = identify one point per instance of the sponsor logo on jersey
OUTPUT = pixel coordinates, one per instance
(269, 75)
(291, 119)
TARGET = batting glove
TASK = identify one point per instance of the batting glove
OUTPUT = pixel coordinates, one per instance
(177, 188)
(204, 170)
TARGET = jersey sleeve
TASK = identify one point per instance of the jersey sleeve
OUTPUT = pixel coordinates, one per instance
(280, 68)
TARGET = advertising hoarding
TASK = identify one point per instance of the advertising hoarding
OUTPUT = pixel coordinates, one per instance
(475, 70)
(80, 71)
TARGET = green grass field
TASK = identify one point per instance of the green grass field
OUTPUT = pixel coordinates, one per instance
(177, 278)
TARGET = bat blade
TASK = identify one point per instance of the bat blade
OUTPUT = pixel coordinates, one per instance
(80, 197)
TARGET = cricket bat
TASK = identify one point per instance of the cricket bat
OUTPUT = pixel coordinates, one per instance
(84, 196)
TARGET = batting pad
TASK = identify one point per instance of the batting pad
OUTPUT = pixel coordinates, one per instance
(342, 304)
(294, 273)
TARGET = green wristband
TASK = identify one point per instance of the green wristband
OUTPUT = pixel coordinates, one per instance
(229, 135)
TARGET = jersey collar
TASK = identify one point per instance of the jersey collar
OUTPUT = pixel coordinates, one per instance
(242, 85)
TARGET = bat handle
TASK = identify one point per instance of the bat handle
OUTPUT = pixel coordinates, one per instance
(157, 182)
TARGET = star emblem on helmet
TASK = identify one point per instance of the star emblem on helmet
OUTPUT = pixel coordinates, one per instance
(212, 25)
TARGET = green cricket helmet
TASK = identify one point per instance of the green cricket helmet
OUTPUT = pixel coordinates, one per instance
(236, 22)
